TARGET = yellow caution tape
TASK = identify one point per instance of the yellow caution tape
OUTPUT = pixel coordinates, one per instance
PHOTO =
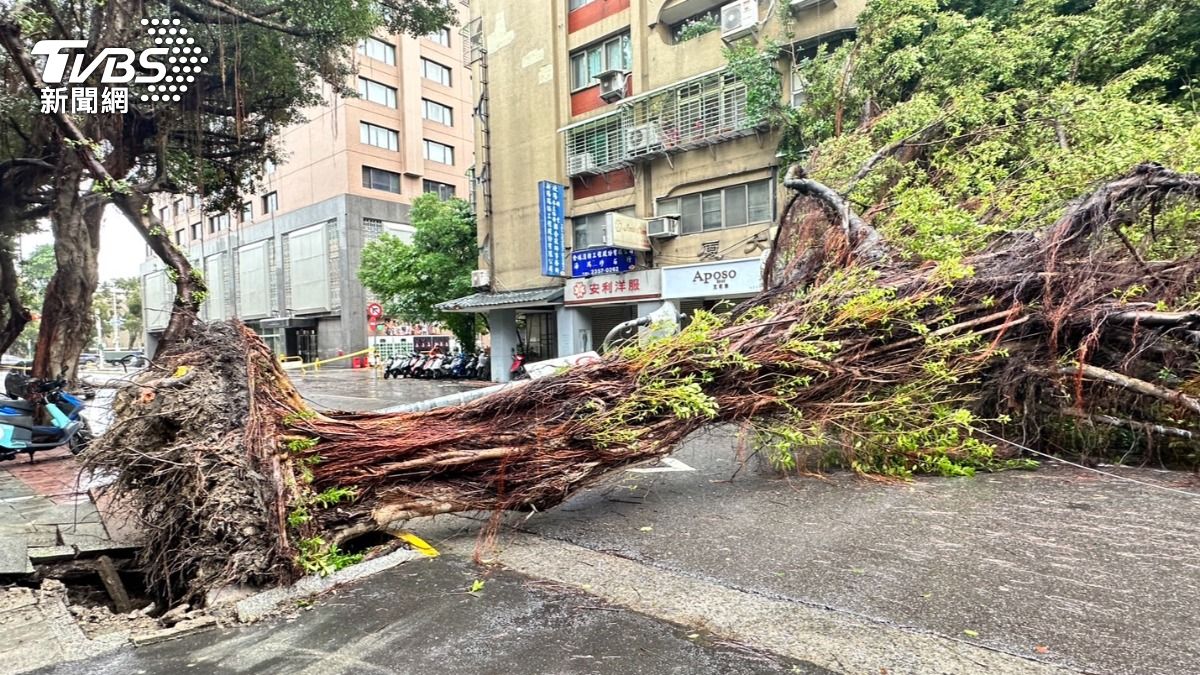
(418, 544)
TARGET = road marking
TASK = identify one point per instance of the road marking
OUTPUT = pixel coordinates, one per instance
(672, 465)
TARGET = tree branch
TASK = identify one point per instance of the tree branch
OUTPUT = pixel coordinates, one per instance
(1133, 384)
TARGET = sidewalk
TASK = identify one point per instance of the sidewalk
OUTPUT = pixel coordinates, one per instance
(46, 513)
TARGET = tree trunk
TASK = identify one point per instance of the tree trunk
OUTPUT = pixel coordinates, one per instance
(67, 307)
(17, 315)
(133, 201)
(190, 288)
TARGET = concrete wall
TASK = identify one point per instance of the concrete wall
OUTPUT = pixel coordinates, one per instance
(343, 327)
(528, 61)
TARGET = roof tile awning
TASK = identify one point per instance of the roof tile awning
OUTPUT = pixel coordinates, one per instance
(482, 302)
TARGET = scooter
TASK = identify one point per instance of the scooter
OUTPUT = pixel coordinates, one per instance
(434, 369)
(392, 367)
(18, 433)
(468, 366)
(517, 369)
(453, 367)
(406, 365)
(483, 366)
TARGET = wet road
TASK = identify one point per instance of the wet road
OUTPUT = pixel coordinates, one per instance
(420, 619)
(1010, 572)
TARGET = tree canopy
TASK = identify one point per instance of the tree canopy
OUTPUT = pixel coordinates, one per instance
(411, 279)
(970, 118)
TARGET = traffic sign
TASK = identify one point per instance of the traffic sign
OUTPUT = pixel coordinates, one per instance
(374, 310)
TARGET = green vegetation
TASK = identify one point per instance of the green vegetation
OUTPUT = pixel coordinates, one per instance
(694, 28)
(411, 278)
(316, 557)
(756, 68)
(1010, 111)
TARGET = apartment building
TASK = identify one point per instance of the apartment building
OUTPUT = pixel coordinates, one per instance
(618, 166)
(286, 262)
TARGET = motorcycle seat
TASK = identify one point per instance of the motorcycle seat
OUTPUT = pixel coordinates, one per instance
(20, 421)
(18, 404)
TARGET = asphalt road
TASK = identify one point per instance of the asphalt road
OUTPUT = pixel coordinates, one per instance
(1057, 564)
(1051, 570)
(419, 619)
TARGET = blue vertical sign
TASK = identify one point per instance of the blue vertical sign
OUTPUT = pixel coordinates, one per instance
(551, 200)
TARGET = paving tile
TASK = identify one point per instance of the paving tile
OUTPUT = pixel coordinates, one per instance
(49, 554)
(41, 537)
(14, 556)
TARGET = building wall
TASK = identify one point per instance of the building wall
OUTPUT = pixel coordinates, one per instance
(529, 87)
(321, 181)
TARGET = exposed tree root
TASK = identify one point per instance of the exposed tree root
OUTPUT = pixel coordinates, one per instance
(887, 365)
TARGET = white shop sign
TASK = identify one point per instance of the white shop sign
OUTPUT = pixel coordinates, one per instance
(605, 289)
(713, 280)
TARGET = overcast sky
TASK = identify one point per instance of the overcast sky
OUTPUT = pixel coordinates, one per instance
(121, 247)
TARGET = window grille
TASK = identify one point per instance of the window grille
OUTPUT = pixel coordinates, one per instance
(702, 111)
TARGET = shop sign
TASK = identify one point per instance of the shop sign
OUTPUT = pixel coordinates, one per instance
(713, 280)
(551, 200)
(601, 261)
(626, 232)
(611, 288)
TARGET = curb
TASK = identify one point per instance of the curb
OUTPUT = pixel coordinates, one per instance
(260, 605)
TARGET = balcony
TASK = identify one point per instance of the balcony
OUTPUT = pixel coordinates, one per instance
(692, 113)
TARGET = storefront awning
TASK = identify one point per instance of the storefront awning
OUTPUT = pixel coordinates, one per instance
(483, 302)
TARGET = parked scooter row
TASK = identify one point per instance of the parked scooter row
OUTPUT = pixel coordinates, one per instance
(438, 364)
(29, 399)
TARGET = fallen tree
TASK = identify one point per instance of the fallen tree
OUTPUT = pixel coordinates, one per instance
(852, 356)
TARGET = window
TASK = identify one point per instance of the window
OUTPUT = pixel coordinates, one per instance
(376, 92)
(715, 209)
(436, 112)
(268, 167)
(218, 223)
(195, 231)
(587, 231)
(179, 236)
(380, 137)
(444, 191)
(374, 48)
(193, 201)
(439, 152)
(270, 202)
(162, 214)
(247, 213)
(612, 54)
(799, 88)
(440, 36)
(576, 4)
(432, 70)
(378, 179)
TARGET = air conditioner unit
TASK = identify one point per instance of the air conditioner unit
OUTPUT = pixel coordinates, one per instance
(798, 5)
(663, 227)
(642, 138)
(481, 278)
(739, 19)
(581, 163)
(612, 85)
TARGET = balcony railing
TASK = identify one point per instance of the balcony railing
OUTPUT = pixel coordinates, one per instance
(700, 111)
